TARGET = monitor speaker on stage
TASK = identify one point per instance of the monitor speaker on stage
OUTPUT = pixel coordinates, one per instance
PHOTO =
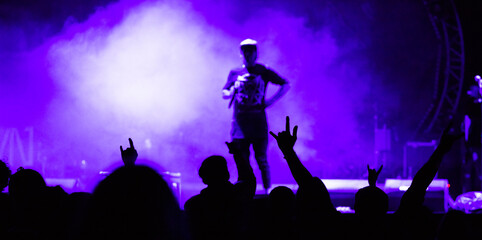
(415, 155)
(437, 197)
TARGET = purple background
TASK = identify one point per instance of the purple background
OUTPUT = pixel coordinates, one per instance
(87, 75)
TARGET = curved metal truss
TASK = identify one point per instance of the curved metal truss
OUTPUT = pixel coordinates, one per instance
(449, 72)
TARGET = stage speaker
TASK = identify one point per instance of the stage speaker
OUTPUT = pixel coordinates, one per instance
(415, 154)
(342, 192)
(66, 183)
(436, 198)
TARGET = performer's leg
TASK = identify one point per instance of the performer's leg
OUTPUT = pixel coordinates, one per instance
(243, 146)
(260, 146)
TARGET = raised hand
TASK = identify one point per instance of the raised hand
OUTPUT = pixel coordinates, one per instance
(448, 138)
(373, 175)
(285, 140)
(233, 149)
(129, 156)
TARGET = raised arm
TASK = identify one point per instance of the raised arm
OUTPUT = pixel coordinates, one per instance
(416, 192)
(427, 173)
(286, 142)
(312, 192)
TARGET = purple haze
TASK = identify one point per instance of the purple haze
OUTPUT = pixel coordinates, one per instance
(153, 71)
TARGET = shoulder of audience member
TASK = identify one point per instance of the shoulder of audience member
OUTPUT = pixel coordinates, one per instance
(192, 202)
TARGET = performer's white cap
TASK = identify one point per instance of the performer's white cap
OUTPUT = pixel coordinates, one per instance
(248, 42)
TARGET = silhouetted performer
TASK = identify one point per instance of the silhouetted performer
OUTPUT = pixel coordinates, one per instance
(246, 87)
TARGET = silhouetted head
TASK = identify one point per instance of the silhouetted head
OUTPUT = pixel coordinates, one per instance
(214, 169)
(25, 182)
(371, 202)
(281, 195)
(249, 51)
(5, 174)
(282, 199)
(135, 202)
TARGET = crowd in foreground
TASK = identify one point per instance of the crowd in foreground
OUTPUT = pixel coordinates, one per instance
(135, 202)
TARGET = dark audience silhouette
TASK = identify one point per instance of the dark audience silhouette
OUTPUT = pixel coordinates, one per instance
(317, 217)
(5, 174)
(5, 213)
(35, 207)
(281, 214)
(74, 214)
(135, 202)
(221, 210)
(371, 202)
(412, 219)
(371, 206)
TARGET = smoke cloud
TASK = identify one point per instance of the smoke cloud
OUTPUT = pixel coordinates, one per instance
(154, 70)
